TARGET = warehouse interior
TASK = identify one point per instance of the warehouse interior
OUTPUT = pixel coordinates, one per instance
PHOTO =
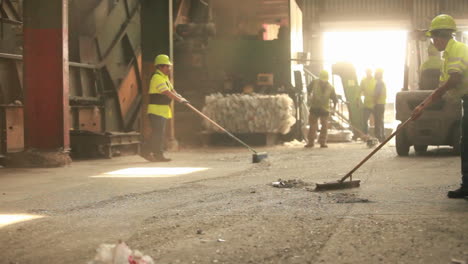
(81, 180)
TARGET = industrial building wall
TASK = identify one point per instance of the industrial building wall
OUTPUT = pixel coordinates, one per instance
(330, 15)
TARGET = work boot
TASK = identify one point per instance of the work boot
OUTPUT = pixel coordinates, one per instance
(309, 145)
(161, 158)
(148, 156)
(324, 145)
(461, 192)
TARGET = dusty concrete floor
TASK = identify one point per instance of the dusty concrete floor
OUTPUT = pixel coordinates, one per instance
(407, 218)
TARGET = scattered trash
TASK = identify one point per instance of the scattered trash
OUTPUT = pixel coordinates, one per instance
(456, 261)
(294, 143)
(221, 240)
(253, 191)
(337, 136)
(289, 183)
(199, 232)
(119, 254)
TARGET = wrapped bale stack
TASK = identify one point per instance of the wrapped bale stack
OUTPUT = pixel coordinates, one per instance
(241, 113)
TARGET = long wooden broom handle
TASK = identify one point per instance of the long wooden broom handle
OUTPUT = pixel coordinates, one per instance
(220, 127)
(398, 130)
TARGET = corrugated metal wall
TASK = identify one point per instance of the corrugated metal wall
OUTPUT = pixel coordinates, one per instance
(418, 12)
(360, 7)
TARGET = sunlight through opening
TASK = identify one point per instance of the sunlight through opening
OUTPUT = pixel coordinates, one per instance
(9, 219)
(150, 172)
(368, 49)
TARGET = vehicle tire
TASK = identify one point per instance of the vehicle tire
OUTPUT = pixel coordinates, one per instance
(456, 141)
(402, 144)
(420, 149)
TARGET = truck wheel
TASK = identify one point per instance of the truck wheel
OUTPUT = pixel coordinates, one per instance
(456, 141)
(420, 149)
(402, 144)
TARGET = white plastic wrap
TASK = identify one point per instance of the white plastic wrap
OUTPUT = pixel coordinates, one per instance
(241, 113)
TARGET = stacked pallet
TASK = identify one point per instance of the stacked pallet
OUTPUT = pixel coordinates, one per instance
(255, 113)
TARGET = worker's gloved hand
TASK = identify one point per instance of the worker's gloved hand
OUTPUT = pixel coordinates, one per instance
(184, 101)
(417, 112)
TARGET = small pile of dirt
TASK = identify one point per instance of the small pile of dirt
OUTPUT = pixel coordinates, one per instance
(290, 183)
(346, 198)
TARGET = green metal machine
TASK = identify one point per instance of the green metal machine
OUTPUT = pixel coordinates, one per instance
(352, 91)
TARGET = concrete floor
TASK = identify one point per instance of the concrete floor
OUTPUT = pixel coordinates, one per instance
(400, 214)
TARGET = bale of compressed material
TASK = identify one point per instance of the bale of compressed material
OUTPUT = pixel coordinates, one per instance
(255, 113)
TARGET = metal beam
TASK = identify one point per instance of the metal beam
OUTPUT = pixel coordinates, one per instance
(46, 75)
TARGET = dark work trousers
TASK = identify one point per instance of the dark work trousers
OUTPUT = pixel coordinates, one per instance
(367, 114)
(464, 143)
(379, 111)
(314, 116)
(158, 127)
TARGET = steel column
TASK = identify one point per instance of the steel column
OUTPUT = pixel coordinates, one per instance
(46, 75)
(156, 34)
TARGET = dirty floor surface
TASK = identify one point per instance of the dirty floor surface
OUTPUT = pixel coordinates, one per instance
(214, 206)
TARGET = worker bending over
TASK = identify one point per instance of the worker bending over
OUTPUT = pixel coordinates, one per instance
(453, 79)
(320, 94)
(161, 94)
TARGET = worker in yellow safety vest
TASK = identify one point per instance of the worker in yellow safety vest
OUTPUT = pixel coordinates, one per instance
(320, 94)
(161, 94)
(453, 79)
(380, 98)
(367, 87)
(430, 70)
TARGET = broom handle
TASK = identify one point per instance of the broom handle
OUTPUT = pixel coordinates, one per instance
(220, 127)
(398, 130)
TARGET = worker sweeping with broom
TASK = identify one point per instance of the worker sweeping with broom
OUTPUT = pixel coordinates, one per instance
(453, 79)
(161, 94)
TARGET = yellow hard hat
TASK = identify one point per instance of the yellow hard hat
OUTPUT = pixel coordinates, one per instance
(379, 70)
(162, 59)
(323, 75)
(442, 22)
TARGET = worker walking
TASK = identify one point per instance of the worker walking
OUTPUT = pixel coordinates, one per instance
(453, 79)
(367, 86)
(380, 98)
(320, 94)
(430, 70)
(161, 94)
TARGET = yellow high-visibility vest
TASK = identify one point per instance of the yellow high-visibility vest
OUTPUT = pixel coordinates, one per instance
(159, 84)
(321, 96)
(368, 90)
(455, 60)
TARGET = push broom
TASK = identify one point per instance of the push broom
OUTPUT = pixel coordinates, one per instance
(342, 183)
(256, 156)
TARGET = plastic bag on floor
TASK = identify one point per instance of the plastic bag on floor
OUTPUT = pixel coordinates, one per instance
(119, 254)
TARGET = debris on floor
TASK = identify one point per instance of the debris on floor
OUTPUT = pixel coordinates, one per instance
(119, 254)
(336, 136)
(289, 183)
(294, 143)
(346, 198)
